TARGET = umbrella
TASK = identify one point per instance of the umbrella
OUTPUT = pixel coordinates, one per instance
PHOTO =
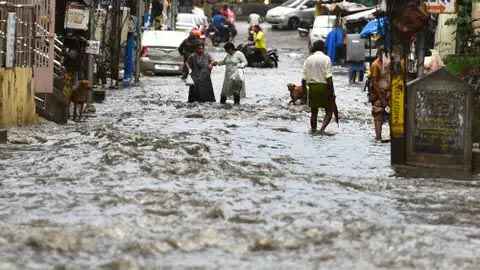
(376, 26)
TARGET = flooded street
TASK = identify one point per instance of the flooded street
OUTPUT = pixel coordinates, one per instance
(152, 182)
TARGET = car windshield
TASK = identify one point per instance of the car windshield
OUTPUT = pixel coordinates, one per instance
(292, 3)
(324, 22)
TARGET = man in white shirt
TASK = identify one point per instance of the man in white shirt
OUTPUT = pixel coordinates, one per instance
(317, 79)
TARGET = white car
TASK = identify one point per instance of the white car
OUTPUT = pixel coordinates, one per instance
(160, 52)
(322, 26)
(291, 13)
(188, 21)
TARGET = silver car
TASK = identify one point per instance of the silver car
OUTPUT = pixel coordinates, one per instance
(291, 13)
(160, 52)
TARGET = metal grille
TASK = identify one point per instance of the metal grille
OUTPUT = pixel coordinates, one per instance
(24, 11)
(24, 33)
(34, 38)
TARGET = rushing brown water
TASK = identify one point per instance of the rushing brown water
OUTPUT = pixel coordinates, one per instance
(155, 183)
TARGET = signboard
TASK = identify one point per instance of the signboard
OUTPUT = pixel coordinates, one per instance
(441, 6)
(77, 18)
(93, 47)
(397, 114)
(10, 45)
(439, 118)
(439, 127)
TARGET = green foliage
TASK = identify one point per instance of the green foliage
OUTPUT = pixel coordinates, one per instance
(467, 41)
(457, 64)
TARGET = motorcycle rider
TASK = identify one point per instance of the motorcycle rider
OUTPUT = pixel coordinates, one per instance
(218, 22)
(187, 47)
(260, 43)
(228, 13)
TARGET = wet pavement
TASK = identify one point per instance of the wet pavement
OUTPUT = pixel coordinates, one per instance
(152, 182)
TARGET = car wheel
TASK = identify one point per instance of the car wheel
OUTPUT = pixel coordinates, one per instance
(293, 23)
(275, 27)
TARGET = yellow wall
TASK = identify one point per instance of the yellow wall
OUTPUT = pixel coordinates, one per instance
(17, 98)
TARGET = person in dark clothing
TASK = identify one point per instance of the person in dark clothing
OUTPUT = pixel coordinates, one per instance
(201, 64)
(157, 14)
(187, 48)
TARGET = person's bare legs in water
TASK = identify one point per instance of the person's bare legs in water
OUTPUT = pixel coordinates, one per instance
(326, 120)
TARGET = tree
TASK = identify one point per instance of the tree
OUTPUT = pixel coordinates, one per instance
(468, 40)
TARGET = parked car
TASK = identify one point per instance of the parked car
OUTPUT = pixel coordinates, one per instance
(291, 13)
(188, 21)
(160, 52)
(322, 26)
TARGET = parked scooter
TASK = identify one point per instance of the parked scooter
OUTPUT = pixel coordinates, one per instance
(271, 58)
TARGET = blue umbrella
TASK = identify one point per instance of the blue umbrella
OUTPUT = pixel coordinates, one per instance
(376, 26)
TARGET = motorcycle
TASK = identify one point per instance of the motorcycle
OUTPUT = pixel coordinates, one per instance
(218, 36)
(271, 58)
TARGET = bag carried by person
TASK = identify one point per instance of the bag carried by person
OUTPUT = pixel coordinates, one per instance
(237, 80)
(189, 80)
(238, 75)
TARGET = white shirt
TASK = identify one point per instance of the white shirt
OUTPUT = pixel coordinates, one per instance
(317, 68)
(254, 19)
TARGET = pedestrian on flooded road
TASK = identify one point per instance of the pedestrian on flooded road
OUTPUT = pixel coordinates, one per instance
(380, 92)
(234, 81)
(187, 48)
(317, 79)
(200, 64)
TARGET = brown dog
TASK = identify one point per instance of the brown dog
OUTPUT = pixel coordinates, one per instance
(79, 98)
(296, 93)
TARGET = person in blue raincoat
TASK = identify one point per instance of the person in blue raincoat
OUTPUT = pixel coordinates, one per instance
(335, 43)
(129, 58)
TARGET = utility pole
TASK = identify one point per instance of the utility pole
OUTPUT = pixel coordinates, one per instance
(91, 29)
(115, 42)
(398, 95)
(420, 50)
(173, 13)
(140, 13)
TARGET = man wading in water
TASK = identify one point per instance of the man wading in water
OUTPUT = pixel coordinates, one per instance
(317, 79)
(380, 95)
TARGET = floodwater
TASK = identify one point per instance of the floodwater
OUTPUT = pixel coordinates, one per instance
(152, 182)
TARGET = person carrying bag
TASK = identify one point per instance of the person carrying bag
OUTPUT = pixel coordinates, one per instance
(234, 82)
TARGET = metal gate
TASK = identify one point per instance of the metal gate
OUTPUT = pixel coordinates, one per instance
(44, 45)
(34, 38)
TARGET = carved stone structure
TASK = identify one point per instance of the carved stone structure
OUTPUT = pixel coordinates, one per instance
(439, 123)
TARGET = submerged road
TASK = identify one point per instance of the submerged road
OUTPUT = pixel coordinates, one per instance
(155, 183)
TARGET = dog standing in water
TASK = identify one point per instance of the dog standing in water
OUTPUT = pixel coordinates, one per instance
(79, 98)
(296, 93)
